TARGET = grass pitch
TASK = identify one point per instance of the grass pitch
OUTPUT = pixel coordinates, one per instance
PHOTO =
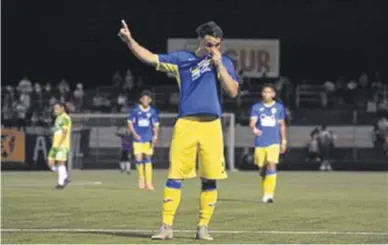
(107, 207)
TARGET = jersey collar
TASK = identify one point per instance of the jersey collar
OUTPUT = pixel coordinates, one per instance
(269, 105)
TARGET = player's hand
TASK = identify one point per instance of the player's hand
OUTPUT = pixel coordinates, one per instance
(154, 140)
(136, 136)
(283, 147)
(124, 32)
(257, 131)
(216, 57)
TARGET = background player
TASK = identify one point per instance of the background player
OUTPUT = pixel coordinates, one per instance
(197, 130)
(143, 122)
(126, 149)
(267, 122)
(61, 145)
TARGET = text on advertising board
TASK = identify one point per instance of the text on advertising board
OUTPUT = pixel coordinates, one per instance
(254, 57)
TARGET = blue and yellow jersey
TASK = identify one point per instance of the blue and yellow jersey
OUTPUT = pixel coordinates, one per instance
(144, 120)
(268, 121)
(198, 81)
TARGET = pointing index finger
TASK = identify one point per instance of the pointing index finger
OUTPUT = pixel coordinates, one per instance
(124, 24)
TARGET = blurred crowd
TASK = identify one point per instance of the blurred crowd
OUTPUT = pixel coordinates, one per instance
(366, 93)
(30, 103)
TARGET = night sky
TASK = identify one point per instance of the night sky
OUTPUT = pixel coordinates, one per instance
(48, 40)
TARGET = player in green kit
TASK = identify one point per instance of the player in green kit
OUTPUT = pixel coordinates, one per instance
(197, 131)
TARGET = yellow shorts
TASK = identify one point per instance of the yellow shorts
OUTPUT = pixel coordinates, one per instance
(58, 154)
(192, 138)
(145, 148)
(269, 154)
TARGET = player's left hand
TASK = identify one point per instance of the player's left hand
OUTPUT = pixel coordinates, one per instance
(283, 147)
(216, 57)
(154, 140)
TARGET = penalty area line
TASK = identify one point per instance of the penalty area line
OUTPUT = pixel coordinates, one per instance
(53, 230)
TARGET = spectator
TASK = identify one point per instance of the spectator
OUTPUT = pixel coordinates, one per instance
(78, 96)
(128, 82)
(371, 106)
(37, 97)
(47, 93)
(21, 113)
(327, 93)
(117, 79)
(321, 147)
(376, 83)
(382, 103)
(380, 134)
(7, 115)
(122, 102)
(340, 91)
(64, 90)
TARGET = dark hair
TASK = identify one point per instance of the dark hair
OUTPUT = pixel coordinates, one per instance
(62, 104)
(269, 85)
(146, 93)
(210, 28)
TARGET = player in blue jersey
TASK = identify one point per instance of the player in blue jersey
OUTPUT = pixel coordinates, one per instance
(143, 122)
(267, 121)
(197, 131)
(126, 149)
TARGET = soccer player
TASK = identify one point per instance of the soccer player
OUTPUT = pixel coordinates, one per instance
(57, 156)
(267, 122)
(126, 149)
(143, 122)
(198, 129)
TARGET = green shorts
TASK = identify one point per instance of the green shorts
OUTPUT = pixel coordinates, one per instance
(58, 154)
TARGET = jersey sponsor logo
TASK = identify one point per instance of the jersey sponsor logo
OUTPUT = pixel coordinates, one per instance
(273, 110)
(12, 146)
(201, 68)
(143, 122)
(268, 120)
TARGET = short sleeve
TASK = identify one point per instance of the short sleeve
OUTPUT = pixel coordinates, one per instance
(131, 116)
(230, 68)
(155, 118)
(282, 112)
(65, 123)
(254, 112)
(169, 62)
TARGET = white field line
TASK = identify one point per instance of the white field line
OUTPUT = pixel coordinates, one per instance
(346, 233)
(36, 184)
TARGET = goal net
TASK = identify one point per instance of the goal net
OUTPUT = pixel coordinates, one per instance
(101, 148)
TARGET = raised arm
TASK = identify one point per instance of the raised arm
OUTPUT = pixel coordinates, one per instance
(143, 54)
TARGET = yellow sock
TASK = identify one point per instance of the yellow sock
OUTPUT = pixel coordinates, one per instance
(140, 170)
(148, 173)
(208, 200)
(171, 200)
(269, 183)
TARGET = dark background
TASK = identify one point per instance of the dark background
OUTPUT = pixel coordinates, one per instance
(320, 39)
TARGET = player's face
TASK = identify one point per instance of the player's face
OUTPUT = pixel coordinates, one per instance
(209, 43)
(58, 109)
(268, 94)
(145, 101)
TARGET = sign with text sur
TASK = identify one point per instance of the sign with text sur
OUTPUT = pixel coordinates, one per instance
(12, 146)
(254, 56)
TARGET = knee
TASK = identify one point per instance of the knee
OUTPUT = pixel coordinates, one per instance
(139, 159)
(147, 159)
(271, 167)
(174, 183)
(209, 185)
